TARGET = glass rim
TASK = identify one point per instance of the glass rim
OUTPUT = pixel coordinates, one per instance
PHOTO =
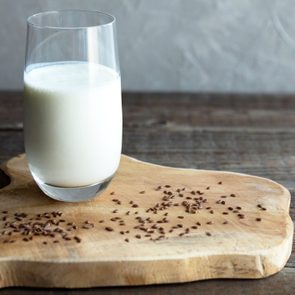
(30, 22)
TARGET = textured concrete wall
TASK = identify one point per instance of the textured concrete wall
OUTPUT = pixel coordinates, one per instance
(178, 45)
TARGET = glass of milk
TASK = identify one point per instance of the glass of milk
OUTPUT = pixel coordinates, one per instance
(73, 108)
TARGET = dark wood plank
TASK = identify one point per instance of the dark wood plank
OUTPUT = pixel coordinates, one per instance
(184, 110)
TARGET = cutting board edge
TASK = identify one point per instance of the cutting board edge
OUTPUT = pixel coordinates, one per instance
(263, 270)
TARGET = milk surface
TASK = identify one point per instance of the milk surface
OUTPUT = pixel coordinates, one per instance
(73, 123)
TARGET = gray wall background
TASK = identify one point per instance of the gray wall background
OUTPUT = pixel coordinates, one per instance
(178, 45)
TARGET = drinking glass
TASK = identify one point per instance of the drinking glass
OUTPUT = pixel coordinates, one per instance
(72, 102)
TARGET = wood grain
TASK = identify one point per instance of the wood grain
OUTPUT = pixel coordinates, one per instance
(243, 248)
(266, 122)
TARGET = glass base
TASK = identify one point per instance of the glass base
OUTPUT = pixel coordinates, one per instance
(76, 194)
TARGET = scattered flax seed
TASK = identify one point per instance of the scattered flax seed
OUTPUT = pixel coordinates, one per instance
(126, 240)
(167, 185)
(44, 243)
(101, 221)
(230, 208)
(211, 212)
(220, 182)
(115, 211)
(239, 208)
(77, 239)
(209, 222)
(112, 193)
(138, 236)
(134, 206)
(108, 228)
(180, 217)
(258, 219)
(225, 213)
(208, 234)
(87, 225)
(233, 195)
(5, 212)
(225, 222)
(208, 187)
(142, 192)
(223, 197)
(194, 227)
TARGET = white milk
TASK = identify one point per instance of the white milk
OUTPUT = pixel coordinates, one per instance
(73, 123)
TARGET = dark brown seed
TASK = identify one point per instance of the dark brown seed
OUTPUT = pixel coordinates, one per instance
(263, 209)
(211, 212)
(138, 236)
(233, 195)
(208, 187)
(258, 219)
(180, 217)
(55, 241)
(238, 208)
(142, 192)
(223, 197)
(78, 240)
(126, 240)
(225, 222)
(167, 185)
(198, 223)
(112, 193)
(115, 211)
(44, 243)
(109, 228)
(194, 227)
(225, 213)
(209, 222)
(230, 208)
(4, 212)
(134, 206)
(220, 182)
(208, 234)
(101, 221)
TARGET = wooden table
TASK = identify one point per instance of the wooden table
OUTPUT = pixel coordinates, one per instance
(244, 133)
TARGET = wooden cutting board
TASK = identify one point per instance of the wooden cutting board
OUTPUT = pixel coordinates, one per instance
(152, 225)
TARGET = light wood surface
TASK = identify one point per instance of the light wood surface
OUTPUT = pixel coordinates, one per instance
(254, 244)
